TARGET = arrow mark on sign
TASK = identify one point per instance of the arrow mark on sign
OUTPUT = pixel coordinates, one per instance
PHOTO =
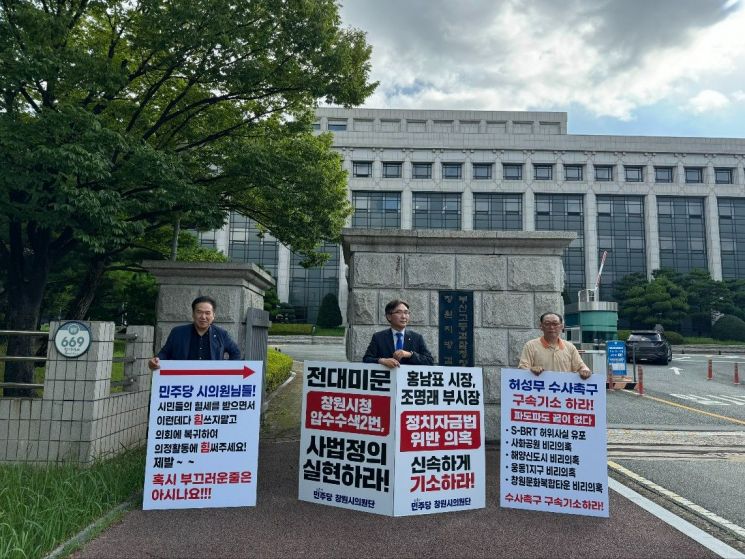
(244, 372)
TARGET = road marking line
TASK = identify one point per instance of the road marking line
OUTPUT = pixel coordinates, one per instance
(732, 419)
(695, 533)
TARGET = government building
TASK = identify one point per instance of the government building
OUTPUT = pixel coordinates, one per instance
(651, 202)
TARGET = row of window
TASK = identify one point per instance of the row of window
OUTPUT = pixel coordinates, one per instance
(542, 172)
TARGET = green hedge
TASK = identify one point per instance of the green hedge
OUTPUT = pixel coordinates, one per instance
(282, 329)
(278, 369)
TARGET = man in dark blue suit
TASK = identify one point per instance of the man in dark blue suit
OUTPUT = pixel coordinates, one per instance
(397, 345)
(199, 340)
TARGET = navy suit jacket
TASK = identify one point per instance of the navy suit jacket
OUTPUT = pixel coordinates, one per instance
(177, 344)
(381, 346)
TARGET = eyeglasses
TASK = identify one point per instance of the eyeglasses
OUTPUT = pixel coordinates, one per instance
(552, 323)
(404, 313)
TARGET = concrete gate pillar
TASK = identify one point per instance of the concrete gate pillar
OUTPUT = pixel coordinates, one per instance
(236, 287)
(514, 276)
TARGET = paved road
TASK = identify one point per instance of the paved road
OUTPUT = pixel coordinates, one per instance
(281, 526)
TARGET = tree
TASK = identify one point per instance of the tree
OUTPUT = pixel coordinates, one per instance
(659, 301)
(117, 118)
(329, 315)
(705, 297)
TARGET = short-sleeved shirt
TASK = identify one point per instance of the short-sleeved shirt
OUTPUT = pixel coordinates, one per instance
(560, 357)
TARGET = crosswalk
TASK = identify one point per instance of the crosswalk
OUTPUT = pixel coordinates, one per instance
(712, 399)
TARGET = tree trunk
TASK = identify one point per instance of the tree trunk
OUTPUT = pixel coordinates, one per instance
(174, 239)
(28, 272)
(86, 293)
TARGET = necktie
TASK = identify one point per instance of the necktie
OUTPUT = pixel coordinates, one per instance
(399, 340)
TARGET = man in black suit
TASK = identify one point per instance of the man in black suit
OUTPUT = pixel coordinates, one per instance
(199, 340)
(397, 345)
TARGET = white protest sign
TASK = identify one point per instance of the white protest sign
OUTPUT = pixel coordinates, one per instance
(203, 435)
(346, 437)
(440, 456)
(553, 443)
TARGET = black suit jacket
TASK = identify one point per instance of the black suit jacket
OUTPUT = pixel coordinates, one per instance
(381, 346)
(177, 344)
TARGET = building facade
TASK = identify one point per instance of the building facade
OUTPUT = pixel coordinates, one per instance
(650, 202)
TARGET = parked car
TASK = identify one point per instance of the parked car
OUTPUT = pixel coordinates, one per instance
(648, 345)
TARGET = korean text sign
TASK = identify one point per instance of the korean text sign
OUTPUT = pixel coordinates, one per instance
(553, 443)
(395, 442)
(440, 452)
(203, 435)
(347, 436)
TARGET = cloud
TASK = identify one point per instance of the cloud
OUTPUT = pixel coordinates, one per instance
(611, 57)
(708, 100)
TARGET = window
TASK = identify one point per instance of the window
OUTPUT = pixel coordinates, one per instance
(421, 170)
(603, 173)
(482, 171)
(723, 176)
(573, 172)
(376, 210)
(682, 233)
(663, 174)
(391, 169)
(512, 171)
(338, 125)
(497, 212)
(543, 172)
(247, 243)
(362, 168)
(562, 212)
(433, 210)
(317, 125)
(452, 170)
(634, 173)
(694, 174)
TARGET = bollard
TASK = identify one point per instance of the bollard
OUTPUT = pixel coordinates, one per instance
(640, 381)
(610, 379)
(709, 372)
(737, 375)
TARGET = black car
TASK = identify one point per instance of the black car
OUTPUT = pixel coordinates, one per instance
(648, 345)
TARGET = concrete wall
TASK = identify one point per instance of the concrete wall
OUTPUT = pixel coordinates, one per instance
(78, 419)
(515, 277)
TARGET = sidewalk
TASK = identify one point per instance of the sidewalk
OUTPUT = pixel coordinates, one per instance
(283, 527)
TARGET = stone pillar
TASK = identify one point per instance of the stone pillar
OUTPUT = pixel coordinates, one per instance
(713, 240)
(234, 286)
(515, 276)
(651, 234)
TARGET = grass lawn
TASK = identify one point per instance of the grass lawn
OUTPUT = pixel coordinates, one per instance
(41, 507)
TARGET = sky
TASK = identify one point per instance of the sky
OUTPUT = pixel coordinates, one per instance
(625, 67)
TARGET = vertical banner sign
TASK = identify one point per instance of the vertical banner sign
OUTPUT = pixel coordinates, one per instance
(347, 436)
(203, 435)
(440, 456)
(456, 328)
(616, 356)
(554, 445)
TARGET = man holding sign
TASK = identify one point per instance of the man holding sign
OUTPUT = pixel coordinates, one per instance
(397, 345)
(199, 341)
(550, 352)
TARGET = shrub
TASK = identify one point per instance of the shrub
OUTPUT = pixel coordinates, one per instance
(674, 338)
(729, 327)
(278, 369)
(623, 335)
(329, 315)
(290, 329)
